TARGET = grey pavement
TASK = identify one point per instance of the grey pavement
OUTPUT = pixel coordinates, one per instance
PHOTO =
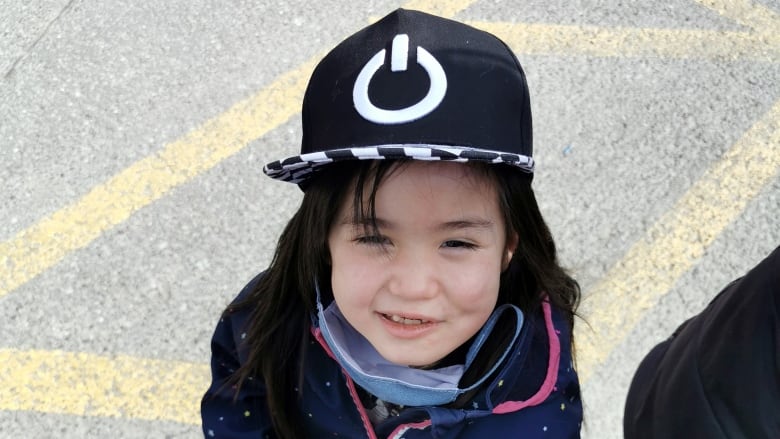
(89, 88)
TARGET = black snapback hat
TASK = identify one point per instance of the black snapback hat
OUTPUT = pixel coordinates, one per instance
(414, 86)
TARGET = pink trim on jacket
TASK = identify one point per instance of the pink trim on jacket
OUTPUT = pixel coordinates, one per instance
(350, 385)
(403, 428)
(552, 370)
(399, 431)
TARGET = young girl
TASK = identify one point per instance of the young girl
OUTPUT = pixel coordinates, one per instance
(416, 292)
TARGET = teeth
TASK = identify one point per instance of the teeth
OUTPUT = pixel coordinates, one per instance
(405, 321)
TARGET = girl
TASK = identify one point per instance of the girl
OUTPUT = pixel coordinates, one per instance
(416, 292)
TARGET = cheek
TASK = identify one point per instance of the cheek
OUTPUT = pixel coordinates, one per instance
(478, 285)
(347, 263)
(476, 297)
(351, 277)
(474, 302)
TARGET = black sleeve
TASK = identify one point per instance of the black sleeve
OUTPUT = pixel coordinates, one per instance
(719, 375)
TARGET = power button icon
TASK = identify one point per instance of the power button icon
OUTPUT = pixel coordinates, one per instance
(399, 56)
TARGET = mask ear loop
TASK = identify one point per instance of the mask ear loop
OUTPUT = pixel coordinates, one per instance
(483, 334)
(315, 316)
(320, 308)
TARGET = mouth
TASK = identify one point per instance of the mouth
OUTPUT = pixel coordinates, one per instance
(408, 326)
(405, 320)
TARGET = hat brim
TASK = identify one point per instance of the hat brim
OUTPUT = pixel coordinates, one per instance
(299, 168)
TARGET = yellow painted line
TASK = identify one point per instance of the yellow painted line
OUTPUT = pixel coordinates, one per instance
(93, 385)
(39, 247)
(34, 250)
(123, 386)
(444, 8)
(747, 13)
(548, 39)
(677, 241)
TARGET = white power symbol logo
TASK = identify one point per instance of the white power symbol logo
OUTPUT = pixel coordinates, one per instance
(398, 63)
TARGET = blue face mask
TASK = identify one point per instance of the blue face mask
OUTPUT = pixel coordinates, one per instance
(400, 384)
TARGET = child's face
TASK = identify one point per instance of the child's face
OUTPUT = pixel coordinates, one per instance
(435, 281)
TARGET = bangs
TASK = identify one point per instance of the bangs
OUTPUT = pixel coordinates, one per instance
(367, 177)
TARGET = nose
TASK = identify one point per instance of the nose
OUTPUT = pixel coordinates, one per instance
(414, 275)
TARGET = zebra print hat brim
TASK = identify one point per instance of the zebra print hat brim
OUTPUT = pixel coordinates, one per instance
(299, 168)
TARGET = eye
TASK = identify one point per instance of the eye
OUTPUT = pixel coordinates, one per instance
(454, 243)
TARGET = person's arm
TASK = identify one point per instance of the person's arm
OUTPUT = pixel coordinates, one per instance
(718, 376)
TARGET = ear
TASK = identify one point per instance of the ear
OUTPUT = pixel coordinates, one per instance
(509, 251)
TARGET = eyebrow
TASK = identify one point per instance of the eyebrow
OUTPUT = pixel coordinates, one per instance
(459, 224)
(468, 223)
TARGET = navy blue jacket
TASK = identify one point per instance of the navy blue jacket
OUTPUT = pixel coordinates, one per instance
(534, 395)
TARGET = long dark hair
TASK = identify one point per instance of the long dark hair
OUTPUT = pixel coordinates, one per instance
(283, 301)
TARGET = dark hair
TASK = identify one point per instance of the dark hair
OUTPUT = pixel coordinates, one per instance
(284, 299)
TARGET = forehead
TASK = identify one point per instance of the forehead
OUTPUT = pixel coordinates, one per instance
(438, 175)
(445, 186)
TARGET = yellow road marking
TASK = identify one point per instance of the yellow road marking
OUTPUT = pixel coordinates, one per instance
(124, 386)
(36, 249)
(120, 386)
(39, 247)
(634, 42)
(747, 13)
(443, 8)
(94, 385)
(44, 244)
(677, 241)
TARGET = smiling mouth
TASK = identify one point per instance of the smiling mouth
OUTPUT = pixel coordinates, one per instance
(404, 321)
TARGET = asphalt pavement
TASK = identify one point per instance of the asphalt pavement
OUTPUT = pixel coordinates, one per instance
(133, 208)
